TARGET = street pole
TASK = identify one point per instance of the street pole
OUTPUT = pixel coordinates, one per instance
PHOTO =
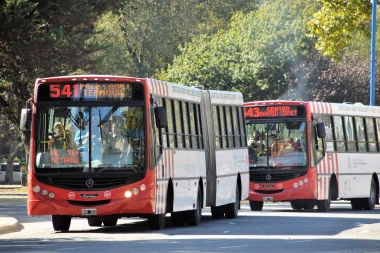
(373, 55)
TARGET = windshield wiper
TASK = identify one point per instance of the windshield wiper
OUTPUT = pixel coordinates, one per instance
(108, 115)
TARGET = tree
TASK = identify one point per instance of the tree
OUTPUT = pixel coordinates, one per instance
(336, 24)
(255, 56)
(154, 29)
(42, 38)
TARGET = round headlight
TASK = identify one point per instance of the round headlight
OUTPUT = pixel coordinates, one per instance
(36, 189)
(128, 194)
(135, 191)
(295, 185)
(44, 192)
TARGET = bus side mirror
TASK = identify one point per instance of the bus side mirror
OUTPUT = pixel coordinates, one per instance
(321, 132)
(161, 118)
(25, 119)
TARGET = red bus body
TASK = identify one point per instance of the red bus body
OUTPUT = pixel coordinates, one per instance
(132, 147)
(338, 159)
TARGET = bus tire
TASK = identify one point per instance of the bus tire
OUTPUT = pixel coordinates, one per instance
(178, 218)
(256, 205)
(324, 205)
(61, 222)
(357, 204)
(308, 204)
(231, 210)
(193, 217)
(217, 212)
(156, 221)
(94, 221)
(110, 220)
(369, 203)
(296, 205)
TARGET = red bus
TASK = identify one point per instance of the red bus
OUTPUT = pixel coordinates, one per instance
(106, 147)
(310, 153)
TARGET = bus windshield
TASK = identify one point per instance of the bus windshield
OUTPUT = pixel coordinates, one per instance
(277, 145)
(89, 139)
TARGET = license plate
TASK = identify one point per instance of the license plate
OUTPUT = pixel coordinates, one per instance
(268, 199)
(89, 212)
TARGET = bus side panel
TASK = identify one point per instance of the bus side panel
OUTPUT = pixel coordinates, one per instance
(228, 164)
(352, 184)
(189, 166)
(242, 164)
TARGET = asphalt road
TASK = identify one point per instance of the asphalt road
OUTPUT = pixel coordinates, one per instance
(276, 229)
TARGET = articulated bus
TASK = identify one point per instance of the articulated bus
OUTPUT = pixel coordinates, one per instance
(107, 147)
(310, 153)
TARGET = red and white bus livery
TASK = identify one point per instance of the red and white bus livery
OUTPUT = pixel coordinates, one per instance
(310, 153)
(106, 147)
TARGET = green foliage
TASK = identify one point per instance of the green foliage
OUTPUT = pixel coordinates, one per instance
(253, 56)
(43, 38)
(335, 24)
(113, 58)
(154, 29)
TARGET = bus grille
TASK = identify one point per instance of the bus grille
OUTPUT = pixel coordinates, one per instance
(274, 176)
(88, 183)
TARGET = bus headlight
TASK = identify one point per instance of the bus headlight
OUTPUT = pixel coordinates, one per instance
(36, 189)
(128, 194)
(142, 187)
(295, 185)
(51, 195)
(44, 192)
(135, 191)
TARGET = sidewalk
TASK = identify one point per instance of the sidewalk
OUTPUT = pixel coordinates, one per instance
(9, 224)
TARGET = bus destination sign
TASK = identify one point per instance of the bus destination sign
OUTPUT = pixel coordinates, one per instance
(271, 111)
(89, 91)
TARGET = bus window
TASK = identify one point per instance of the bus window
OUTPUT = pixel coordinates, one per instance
(350, 133)
(178, 124)
(218, 137)
(360, 134)
(339, 133)
(370, 127)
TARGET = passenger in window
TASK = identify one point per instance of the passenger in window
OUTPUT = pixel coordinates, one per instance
(57, 137)
(118, 151)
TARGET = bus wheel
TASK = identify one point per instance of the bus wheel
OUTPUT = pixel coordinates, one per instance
(256, 205)
(193, 217)
(231, 210)
(94, 221)
(356, 204)
(324, 205)
(61, 222)
(217, 212)
(308, 205)
(110, 220)
(156, 221)
(296, 204)
(178, 218)
(369, 203)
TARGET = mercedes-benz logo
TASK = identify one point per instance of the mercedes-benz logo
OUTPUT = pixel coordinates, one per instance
(268, 177)
(90, 183)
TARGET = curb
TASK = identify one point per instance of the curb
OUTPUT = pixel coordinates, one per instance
(8, 224)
